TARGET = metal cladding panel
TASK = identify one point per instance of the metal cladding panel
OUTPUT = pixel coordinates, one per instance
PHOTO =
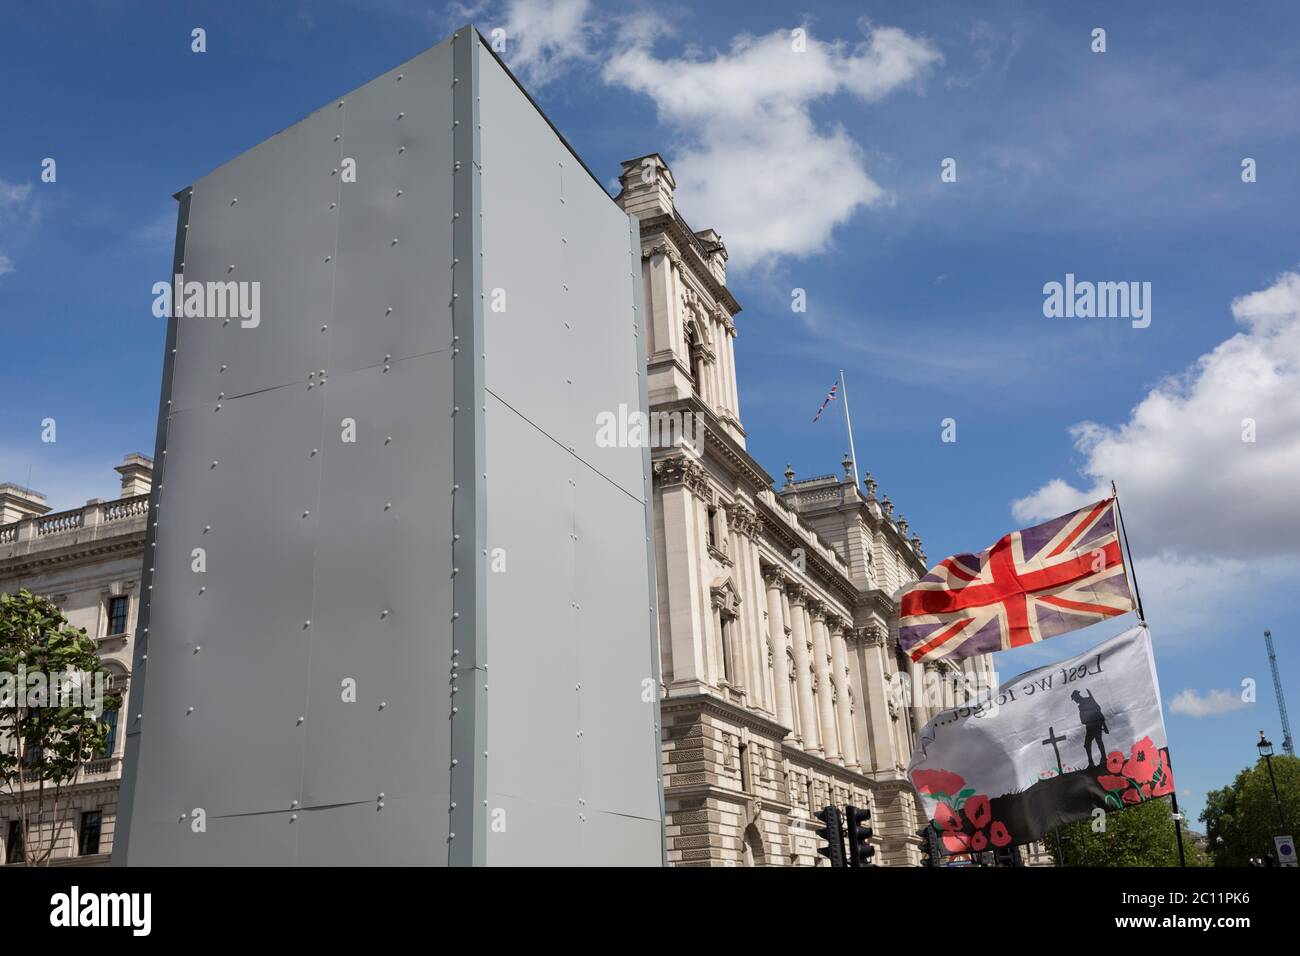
(310, 457)
(227, 645)
(619, 702)
(532, 665)
(569, 642)
(388, 832)
(263, 839)
(381, 613)
(392, 292)
(527, 329)
(238, 231)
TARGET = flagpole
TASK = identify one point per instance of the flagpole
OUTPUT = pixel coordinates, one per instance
(1132, 570)
(857, 483)
(1137, 594)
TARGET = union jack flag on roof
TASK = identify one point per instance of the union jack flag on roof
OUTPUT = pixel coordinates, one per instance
(1055, 577)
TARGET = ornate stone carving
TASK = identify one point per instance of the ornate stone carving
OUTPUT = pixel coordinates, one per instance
(742, 519)
(774, 577)
(680, 470)
(873, 635)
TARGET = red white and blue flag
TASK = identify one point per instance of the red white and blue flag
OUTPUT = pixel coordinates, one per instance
(1033, 584)
(830, 397)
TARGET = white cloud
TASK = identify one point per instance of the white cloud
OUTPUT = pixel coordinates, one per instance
(1190, 486)
(14, 194)
(752, 163)
(1193, 704)
(545, 37)
(14, 211)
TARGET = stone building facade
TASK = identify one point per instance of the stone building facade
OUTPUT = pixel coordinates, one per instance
(88, 561)
(777, 610)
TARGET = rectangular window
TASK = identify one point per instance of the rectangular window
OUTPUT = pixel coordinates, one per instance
(117, 608)
(88, 836)
(14, 842)
(109, 717)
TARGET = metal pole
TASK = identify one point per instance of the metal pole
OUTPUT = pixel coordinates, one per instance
(1178, 824)
(857, 483)
(1137, 594)
(1281, 820)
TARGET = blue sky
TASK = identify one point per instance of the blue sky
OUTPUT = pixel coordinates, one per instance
(821, 174)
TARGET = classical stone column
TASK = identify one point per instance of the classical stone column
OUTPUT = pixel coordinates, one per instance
(826, 685)
(719, 637)
(920, 712)
(877, 705)
(843, 699)
(681, 481)
(775, 581)
(808, 719)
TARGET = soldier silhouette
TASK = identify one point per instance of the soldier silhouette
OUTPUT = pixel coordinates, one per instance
(1094, 722)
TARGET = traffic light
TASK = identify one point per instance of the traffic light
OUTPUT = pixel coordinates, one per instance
(930, 852)
(860, 849)
(832, 834)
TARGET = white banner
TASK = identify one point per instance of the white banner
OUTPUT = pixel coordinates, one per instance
(1050, 746)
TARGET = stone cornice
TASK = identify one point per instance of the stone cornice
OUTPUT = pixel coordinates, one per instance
(809, 761)
(717, 707)
(674, 228)
(72, 553)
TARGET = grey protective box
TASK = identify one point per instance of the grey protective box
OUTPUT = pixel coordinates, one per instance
(399, 599)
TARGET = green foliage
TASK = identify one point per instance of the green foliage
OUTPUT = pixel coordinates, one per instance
(1241, 819)
(44, 744)
(1139, 835)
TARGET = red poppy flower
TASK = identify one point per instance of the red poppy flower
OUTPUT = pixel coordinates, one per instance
(1166, 784)
(1109, 783)
(1132, 796)
(1142, 766)
(947, 818)
(1115, 761)
(956, 842)
(998, 833)
(938, 781)
(1146, 791)
(979, 841)
(978, 811)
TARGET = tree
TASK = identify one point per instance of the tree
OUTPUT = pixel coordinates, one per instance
(52, 705)
(1140, 835)
(1241, 819)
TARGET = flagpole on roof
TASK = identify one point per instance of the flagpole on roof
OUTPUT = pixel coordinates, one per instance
(857, 483)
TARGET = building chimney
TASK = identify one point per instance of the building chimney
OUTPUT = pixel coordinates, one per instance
(648, 186)
(17, 503)
(716, 253)
(137, 475)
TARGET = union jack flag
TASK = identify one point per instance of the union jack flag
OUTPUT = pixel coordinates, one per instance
(830, 397)
(1033, 584)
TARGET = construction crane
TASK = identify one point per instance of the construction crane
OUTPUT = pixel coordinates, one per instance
(1287, 746)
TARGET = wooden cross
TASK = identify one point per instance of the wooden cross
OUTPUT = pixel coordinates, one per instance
(1054, 740)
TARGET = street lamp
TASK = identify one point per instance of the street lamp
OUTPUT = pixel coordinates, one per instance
(1266, 751)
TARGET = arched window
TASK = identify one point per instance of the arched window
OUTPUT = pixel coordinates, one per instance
(694, 357)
